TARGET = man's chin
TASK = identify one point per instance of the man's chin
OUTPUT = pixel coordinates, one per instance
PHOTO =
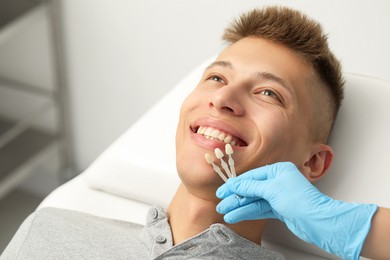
(201, 180)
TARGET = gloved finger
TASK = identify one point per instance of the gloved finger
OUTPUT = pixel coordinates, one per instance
(269, 172)
(232, 202)
(254, 177)
(233, 218)
(259, 209)
(260, 173)
(223, 191)
(246, 188)
(255, 174)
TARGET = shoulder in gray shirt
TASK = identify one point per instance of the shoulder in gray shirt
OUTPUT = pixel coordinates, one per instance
(52, 233)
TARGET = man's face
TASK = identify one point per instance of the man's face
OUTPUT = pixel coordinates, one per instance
(256, 92)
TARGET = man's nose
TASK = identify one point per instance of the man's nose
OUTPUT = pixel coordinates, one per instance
(228, 99)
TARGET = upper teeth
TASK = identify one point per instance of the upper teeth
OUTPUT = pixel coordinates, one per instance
(212, 133)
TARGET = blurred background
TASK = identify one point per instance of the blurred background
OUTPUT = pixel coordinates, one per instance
(75, 74)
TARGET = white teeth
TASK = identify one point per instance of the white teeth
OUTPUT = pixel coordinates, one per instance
(201, 130)
(208, 131)
(228, 139)
(215, 134)
(221, 137)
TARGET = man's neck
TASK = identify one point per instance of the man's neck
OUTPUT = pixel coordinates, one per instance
(190, 215)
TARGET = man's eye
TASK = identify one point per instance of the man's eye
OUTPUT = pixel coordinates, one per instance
(270, 93)
(217, 79)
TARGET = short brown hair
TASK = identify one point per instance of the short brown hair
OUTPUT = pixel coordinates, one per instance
(302, 35)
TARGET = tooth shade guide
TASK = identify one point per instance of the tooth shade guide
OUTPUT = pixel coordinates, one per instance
(229, 152)
(209, 158)
(219, 154)
(228, 149)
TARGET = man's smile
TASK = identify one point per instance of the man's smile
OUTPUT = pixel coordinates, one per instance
(217, 134)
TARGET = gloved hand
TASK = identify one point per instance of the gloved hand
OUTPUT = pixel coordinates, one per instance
(281, 191)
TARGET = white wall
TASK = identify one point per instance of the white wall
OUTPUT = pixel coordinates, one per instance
(26, 56)
(124, 55)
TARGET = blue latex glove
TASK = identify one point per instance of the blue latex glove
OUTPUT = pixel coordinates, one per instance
(281, 191)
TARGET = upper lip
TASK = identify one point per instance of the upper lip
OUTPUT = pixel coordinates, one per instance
(218, 124)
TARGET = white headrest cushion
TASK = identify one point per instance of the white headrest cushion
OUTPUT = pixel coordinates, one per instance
(141, 164)
(361, 142)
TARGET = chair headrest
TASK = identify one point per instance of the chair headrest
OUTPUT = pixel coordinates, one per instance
(361, 142)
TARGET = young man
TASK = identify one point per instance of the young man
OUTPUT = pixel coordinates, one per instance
(273, 94)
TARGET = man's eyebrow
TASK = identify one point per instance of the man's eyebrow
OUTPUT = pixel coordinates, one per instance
(220, 63)
(271, 77)
(260, 74)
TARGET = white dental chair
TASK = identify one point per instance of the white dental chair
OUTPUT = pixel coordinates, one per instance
(138, 169)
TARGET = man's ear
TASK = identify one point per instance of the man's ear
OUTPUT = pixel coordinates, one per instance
(318, 163)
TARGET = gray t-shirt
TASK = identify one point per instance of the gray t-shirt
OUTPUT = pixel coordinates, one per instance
(52, 233)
